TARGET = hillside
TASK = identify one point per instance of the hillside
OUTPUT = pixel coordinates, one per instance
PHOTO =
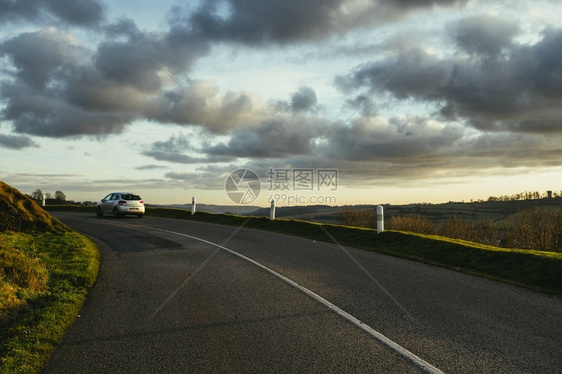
(19, 213)
(46, 270)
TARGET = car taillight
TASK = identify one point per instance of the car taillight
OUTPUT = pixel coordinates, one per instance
(141, 202)
(122, 202)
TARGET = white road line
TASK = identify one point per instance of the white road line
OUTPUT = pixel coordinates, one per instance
(416, 360)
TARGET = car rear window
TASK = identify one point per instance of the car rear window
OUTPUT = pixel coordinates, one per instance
(131, 197)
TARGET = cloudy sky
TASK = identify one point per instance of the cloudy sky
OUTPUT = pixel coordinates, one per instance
(410, 101)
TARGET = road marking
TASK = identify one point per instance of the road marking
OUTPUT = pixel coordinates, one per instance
(416, 360)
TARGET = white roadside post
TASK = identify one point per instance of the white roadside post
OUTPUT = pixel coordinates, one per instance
(193, 205)
(380, 219)
(272, 210)
(43, 203)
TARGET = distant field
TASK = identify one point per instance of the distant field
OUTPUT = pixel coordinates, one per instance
(437, 213)
(471, 212)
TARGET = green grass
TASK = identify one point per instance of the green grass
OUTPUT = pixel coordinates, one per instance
(537, 270)
(46, 270)
(38, 319)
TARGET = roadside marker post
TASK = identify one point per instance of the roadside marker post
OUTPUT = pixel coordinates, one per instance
(380, 219)
(193, 205)
(43, 203)
(272, 211)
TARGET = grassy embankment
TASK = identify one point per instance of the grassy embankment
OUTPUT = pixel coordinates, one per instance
(537, 270)
(46, 270)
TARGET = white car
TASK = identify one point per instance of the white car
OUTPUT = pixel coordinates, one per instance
(119, 204)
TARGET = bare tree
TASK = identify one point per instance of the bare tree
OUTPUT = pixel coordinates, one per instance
(37, 194)
(59, 195)
(359, 218)
(412, 223)
(535, 228)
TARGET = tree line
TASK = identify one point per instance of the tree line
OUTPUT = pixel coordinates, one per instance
(526, 195)
(38, 195)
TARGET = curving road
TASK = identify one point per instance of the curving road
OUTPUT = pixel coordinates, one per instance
(176, 297)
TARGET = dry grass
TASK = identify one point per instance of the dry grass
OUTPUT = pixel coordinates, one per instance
(412, 223)
(359, 218)
(536, 228)
(21, 275)
(19, 213)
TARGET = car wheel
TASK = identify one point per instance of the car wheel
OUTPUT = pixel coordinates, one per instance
(99, 213)
(116, 213)
(140, 215)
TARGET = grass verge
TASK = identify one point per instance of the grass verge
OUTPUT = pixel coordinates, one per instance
(536, 270)
(44, 280)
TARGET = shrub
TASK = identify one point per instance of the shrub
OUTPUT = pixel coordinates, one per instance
(487, 232)
(412, 223)
(535, 228)
(359, 218)
(456, 229)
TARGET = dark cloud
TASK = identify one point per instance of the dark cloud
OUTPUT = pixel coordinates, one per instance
(87, 89)
(16, 141)
(520, 93)
(385, 156)
(276, 137)
(37, 55)
(46, 63)
(416, 74)
(60, 88)
(124, 27)
(202, 103)
(150, 167)
(128, 63)
(201, 179)
(172, 150)
(304, 99)
(420, 3)
(256, 21)
(76, 12)
(183, 176)
(178, 149)
(406, 138)
(485, 35)
(139, 59)
(45, 114)
(16, 10)
(518, 90)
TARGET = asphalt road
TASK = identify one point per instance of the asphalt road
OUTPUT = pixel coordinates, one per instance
(166, 301)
